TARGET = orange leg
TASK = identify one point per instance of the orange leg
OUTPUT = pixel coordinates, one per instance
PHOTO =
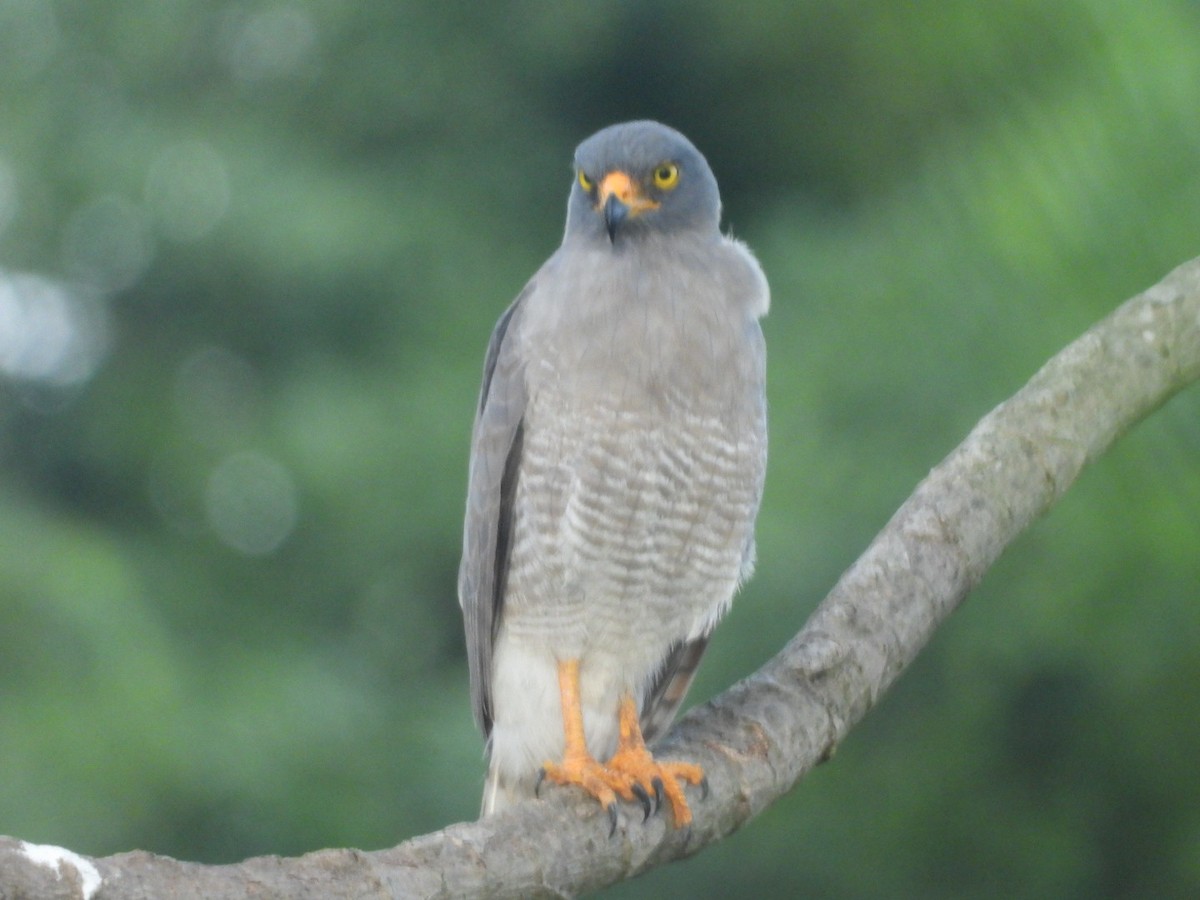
(578, 767)
(632, 773)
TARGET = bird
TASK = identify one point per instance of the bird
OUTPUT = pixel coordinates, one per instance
(616, 469)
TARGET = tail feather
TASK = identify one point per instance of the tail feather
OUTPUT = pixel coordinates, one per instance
(499, 792)
(670, 686)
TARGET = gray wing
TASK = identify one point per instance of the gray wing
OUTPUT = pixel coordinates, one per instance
(491, 484)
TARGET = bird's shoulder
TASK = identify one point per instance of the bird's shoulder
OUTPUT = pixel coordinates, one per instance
(747, 278)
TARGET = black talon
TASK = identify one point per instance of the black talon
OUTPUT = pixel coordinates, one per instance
(611, 809)
(643, 798)
(659, 793)
(537, 785)
(704, 787)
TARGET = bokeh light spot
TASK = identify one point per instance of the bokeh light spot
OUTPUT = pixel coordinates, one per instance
(106, 245)
(187, 190)
(251, 503)
(217, 395)
(49, 333)
(271, 44)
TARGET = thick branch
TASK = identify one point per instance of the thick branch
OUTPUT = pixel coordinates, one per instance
(759, 737)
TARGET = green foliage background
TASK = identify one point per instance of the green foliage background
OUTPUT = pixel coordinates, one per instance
(250, 254)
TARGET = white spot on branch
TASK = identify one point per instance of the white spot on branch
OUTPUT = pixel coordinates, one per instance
(56, 857)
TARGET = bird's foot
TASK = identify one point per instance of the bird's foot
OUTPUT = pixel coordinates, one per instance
(662, 779)
(597, 779)
(632, 774)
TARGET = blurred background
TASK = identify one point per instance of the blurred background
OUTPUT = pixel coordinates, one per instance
(250, 256)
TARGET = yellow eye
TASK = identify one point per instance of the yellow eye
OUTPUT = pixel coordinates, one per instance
(584, 182)
(666, 176)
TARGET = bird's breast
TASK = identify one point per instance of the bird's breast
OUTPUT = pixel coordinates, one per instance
(648, 331)
(642, 458)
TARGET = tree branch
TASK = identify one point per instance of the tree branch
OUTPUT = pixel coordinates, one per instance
(762, 735)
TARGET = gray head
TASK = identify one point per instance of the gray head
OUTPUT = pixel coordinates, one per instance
(640, 178)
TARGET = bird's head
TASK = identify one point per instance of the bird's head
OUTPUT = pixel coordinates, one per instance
(640, 178)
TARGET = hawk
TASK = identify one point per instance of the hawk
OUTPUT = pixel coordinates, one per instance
(617, 463)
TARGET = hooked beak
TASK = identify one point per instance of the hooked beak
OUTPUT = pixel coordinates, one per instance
(619, 197)
(615, 212)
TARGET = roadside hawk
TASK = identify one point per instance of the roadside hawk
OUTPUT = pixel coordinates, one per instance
(617, 463)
